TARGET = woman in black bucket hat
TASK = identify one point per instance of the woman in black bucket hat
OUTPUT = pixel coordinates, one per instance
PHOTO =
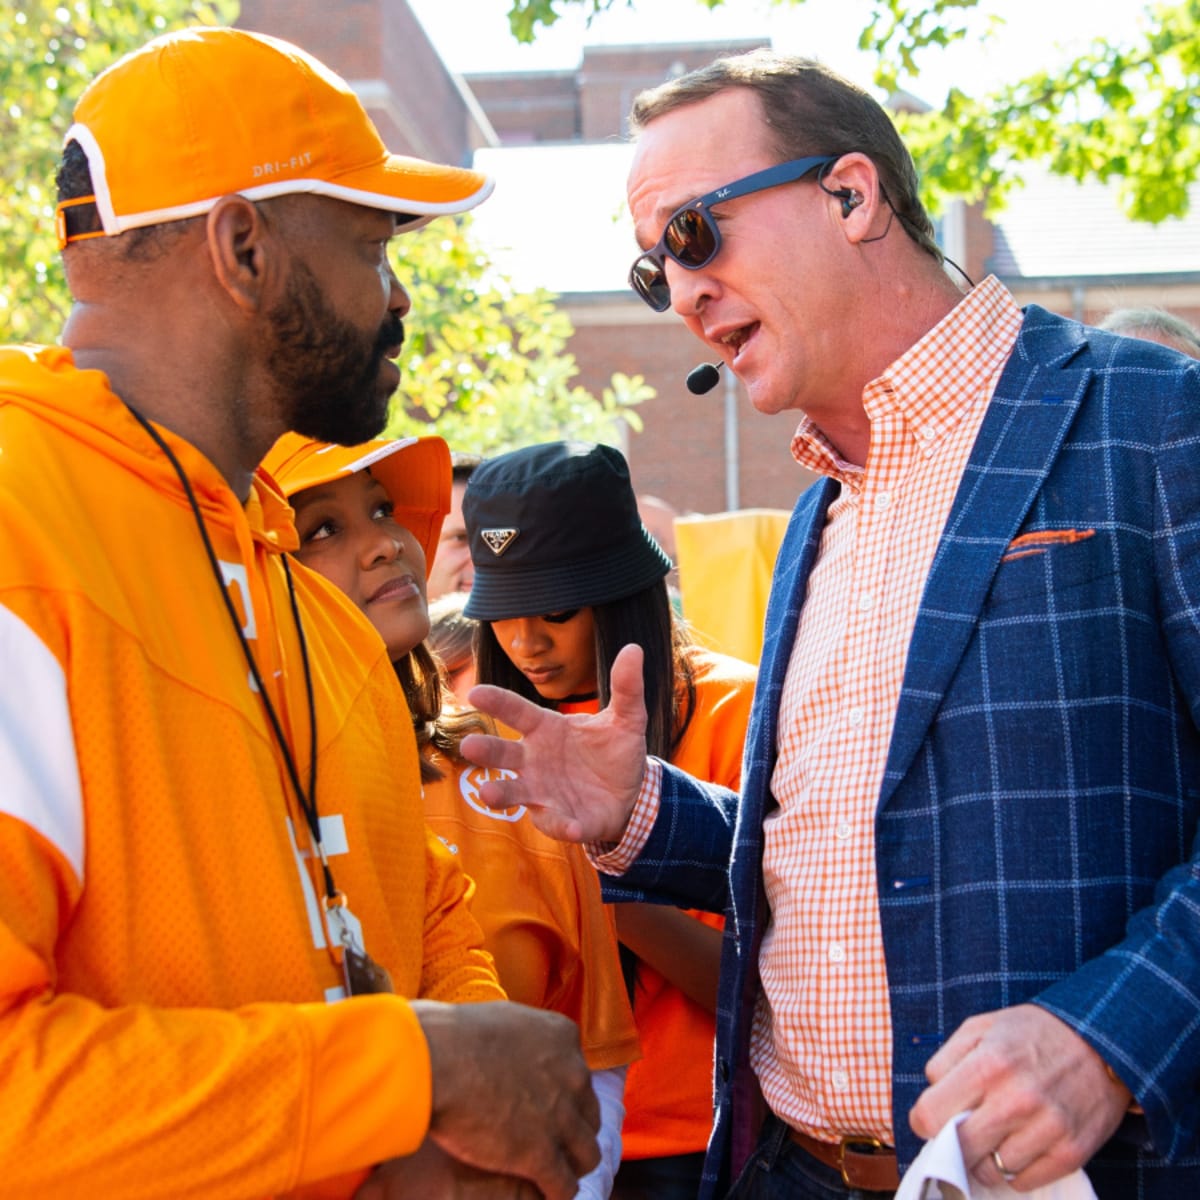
(565, 575)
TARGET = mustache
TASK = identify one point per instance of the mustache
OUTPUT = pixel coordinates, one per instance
(391, 335)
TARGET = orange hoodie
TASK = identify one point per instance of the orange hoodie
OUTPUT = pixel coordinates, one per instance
(166, 1025)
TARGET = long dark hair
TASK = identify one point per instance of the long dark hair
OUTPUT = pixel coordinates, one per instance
(646, 618)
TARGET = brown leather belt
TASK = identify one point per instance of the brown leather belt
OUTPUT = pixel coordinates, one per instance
(863, 1162)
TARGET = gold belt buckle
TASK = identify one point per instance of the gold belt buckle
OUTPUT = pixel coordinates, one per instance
(871, 1146)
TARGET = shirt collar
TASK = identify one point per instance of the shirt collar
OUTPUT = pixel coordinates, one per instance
(973, 341)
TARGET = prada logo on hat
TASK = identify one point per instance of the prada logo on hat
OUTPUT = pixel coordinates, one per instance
(498, 540)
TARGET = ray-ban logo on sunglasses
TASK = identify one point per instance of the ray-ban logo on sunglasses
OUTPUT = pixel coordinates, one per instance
(722, 193)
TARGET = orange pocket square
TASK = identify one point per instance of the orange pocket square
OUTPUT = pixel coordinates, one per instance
(1043, 540)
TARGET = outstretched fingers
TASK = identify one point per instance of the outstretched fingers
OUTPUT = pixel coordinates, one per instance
(627, 704)
(506, 707)
(578, 774)
(489, 750)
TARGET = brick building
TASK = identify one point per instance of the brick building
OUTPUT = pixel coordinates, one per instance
(379, 47)
(554, 141)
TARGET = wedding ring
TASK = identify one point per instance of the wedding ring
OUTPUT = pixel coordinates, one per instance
(1009, 1176)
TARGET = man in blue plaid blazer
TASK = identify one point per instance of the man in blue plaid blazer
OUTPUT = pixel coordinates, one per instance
(1035, 831)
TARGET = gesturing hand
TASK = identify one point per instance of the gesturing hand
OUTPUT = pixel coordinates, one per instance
(578, 774)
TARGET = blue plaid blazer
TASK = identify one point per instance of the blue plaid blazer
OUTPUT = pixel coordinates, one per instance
(1036, 827)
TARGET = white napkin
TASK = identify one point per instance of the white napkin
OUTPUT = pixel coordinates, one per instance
(939, 1174)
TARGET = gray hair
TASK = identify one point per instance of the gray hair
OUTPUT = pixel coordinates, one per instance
(1156, 325)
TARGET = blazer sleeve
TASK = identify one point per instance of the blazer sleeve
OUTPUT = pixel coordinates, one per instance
(685, 860)
(1138, 1004)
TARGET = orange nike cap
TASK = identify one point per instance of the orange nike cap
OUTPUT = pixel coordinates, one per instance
(415, 473)
(198, 114)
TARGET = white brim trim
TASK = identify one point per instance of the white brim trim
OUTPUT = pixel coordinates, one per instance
(113, 224)
(372, 456)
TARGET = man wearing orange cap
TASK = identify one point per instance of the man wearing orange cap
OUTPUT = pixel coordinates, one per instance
(213, 867)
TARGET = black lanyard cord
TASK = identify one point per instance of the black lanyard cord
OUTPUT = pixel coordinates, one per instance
(307, 800)
(312, 703)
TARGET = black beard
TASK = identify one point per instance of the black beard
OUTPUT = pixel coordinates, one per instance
(327, 370)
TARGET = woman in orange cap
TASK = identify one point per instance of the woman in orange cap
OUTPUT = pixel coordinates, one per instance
(368, 519)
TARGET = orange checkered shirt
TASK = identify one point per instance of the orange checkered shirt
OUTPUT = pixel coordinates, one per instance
(822, 1037)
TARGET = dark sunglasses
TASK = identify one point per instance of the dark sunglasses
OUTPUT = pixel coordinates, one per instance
(692, 238)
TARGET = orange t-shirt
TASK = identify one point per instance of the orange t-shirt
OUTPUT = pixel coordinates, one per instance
(539, 904)
(669, 1092)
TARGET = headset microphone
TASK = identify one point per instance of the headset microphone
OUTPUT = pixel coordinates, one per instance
(704, 378)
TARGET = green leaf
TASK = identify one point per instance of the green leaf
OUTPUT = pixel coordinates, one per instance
(1125, 111)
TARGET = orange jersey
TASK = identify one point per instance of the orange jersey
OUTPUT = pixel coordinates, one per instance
(669, 1091)
(543, 918)
(166, 979)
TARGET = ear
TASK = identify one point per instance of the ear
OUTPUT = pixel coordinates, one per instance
(855, 196)
(245, 250)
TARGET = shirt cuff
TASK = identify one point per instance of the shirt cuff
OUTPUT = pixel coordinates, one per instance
(616, 859)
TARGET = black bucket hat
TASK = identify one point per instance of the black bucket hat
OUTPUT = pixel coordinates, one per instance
(555, 526)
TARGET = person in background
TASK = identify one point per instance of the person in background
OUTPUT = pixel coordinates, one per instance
(658, 516)
(556, 597)
(963, 871)
(452, 570)
(1154, 325)
(233, 961)
(452, 639)
(368, 519)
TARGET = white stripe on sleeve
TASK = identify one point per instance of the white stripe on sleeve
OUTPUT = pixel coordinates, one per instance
(39, 775)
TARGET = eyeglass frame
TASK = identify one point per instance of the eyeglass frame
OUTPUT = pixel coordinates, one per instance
(786, 172)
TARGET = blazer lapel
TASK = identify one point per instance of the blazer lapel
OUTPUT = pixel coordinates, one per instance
(797, 554)
(1027, 420)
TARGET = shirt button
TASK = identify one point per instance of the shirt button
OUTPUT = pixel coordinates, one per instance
(883, 500)
(840, 1081)
(842, 832)
(856, 716)
(928, 433)
(837, 953)
(866, 602)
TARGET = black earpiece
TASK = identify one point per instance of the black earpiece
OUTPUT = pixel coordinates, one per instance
(850, 199)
